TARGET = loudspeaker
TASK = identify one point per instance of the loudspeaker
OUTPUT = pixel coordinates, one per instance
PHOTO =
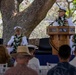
(1, 41)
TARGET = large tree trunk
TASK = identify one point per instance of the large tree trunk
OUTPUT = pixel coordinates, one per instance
(28, 19)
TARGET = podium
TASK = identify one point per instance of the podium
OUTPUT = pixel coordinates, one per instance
(59, 35)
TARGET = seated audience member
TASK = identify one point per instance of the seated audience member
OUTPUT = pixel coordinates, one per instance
(73, 62)
(34, 62)
(22, 58)
(4, 56)
(63, 67)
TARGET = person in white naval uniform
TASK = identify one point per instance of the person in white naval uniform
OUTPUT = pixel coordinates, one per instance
(34, 62)
(16, 40)
(62, 20)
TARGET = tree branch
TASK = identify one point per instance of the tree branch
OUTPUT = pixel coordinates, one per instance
(0, 3)
(19, 1)
(69, 1)
(73, 12)
(7, 9)
(74, 21)
(27, 19)
(69, 9)
(34, 14)
(70, 13)
(57, 4)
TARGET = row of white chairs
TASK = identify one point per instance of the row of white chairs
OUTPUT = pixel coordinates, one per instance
(43, 69)
(3, 68)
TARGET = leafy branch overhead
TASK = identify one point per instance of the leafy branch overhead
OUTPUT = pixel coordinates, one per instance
(29, 18)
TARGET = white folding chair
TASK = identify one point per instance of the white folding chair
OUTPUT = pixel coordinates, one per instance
(3, 68)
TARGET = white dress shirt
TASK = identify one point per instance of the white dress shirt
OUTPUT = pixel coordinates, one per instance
(70, 23)
(34, 64)
(73, 61)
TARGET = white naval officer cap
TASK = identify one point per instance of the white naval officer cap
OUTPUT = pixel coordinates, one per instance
(32, 46)
(17, 27)
(62, 9)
